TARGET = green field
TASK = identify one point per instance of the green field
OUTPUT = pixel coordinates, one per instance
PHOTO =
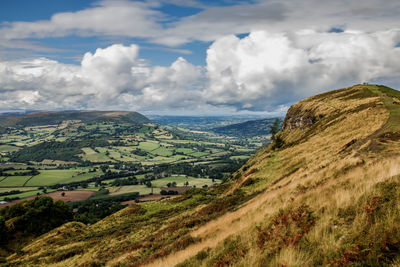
(141, 189)
(50, 177)
(185, 150)
(8, 148)
(14, 181)
(55, 150)
(91, 155)
(162, 183)
(148, 145)
(199, 154)
(28, 193)
(162, 151)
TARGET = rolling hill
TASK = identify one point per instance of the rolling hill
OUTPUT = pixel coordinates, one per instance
(246, 129)
(57, 117)
(201, 123)
(327, 194)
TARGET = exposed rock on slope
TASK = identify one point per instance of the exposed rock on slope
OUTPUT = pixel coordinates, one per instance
(329, 195)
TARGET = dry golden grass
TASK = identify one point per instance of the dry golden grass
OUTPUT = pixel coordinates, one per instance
(332, 179)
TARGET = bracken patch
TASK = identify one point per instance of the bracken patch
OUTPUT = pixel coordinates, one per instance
(286, 229)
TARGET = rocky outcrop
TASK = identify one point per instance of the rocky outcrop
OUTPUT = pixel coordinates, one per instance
(298, 118)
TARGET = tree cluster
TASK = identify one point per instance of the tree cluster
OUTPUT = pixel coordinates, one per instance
(33, 217)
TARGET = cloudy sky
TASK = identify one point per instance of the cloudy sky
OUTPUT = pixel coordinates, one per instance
(192, 57)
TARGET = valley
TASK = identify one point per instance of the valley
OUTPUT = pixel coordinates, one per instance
(41, 154)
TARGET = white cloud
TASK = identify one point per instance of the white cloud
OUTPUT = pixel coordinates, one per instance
(108, 71)
(109, 18)
(264, 70)
(261, 72)
(176, 86)
(111, 78)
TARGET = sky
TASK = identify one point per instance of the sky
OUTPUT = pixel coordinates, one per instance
(191, 57)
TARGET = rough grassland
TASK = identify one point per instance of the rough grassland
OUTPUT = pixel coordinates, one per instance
(328, 196)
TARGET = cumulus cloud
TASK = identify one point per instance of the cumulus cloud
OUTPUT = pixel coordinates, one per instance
(111, 78)
(264, 71)
(108, 71)
(267, 70)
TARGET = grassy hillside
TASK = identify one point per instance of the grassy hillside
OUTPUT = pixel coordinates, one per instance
(328, 194)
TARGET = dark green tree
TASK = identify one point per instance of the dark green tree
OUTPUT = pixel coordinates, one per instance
(37, 216)
(274, 128)
(3, 230)
(276, 139)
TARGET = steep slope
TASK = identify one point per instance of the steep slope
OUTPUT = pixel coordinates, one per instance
(328, 195)
(57, 117)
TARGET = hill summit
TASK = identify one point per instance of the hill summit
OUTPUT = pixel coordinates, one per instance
(326, 194)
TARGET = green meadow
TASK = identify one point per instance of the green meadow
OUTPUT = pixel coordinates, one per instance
(55, 151)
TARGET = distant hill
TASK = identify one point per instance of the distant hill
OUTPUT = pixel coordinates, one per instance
(246, 129)
(56, 117)
(202, 123)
